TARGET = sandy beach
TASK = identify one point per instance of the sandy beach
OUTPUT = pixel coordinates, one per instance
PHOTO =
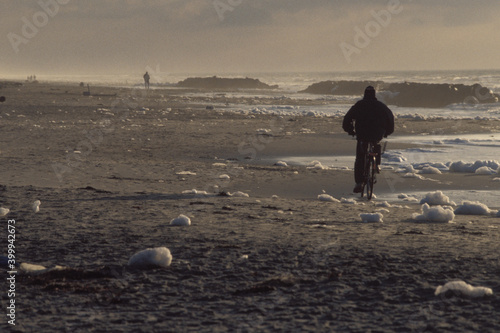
(111, 170)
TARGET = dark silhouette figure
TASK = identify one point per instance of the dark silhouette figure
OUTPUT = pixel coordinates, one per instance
(369, 120)
(146, 80)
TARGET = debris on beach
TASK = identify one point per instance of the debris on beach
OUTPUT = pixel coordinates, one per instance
(472, 208)
(151, 257)
(464, 289)
(181, 220)
(434, 214)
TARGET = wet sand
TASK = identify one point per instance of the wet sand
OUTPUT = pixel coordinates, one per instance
(110, 171)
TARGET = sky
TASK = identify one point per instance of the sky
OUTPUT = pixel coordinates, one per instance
(74, 37)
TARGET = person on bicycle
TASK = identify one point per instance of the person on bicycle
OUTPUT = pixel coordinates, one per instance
(369, 120)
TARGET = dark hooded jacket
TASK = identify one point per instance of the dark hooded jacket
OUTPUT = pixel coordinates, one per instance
(369, 118)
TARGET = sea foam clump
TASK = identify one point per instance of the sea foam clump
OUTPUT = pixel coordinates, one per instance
(435, 214)
(238, 194)
(4, 211)
(375, 217)
(196, 193)
(472, 208)
(36, 206)
(316, 165)
(484, 170)
(151, 257)
(464, 289)
(461, 166)
(181, 220)
(327, 197)
(436, 198)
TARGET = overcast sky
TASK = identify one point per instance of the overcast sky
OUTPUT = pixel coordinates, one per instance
(230, 36)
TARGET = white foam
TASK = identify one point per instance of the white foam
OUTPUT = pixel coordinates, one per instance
(350, 201)
(36, 206)
(484, 170)
(407, 197)
(465, 289)
(472, 208)
(430, 170)
(181, 220)
(159, 256)
(436, 198)
(462, 166)
(196, 193)
(281, 164)
(186, 173)
(316, 165)
(34, 269)
(327, 197)
(4, 211)
(434, 214)
(238, 194)
(375, 217)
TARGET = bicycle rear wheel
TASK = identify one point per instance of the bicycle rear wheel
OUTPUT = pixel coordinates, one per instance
(366, 175)
(370, 173)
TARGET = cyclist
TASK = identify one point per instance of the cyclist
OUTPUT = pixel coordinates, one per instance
(369, 120)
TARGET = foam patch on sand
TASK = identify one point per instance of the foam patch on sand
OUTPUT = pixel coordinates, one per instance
(434, 214)
(36, 206)
(472, 208)
(186, 173)
(430, 170)
(485, 171)
(238, 194)
(181, 220)
(4, 211)
(34, 269)
(461, 166)
(436, 198)
(348, 201)
(327, 197)
(196, 193)
(464, 289)
(375, 217)
(151, 257)
(407, 197)
(316, 165)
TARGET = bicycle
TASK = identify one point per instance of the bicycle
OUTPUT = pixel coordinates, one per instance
(372, 155)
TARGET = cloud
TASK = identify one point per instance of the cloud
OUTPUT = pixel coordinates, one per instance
(247, 35)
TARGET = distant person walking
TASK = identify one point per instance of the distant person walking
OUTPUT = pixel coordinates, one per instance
(146, 80)
(369, 120)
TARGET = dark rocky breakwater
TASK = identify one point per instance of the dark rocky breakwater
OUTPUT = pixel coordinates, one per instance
(410, 94)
